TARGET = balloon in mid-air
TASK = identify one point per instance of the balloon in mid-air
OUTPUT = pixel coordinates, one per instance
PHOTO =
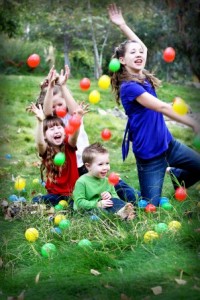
(104, 82)
(85, 84)
(114, 65)
(33, 60)
(61, 112)
(106, 134)
(59, 159)
(75, 121)
(94, 97)
(179, 106)
(169, 54)
(113, 178)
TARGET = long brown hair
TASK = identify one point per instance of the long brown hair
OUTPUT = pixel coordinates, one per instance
(123, 75)
(52, 171)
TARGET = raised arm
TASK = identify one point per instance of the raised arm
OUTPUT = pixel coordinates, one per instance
(116, 18)
(48, 100)
(39, 138)
(70, 102)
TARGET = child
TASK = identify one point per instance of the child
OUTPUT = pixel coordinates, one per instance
(50, 139)
(92, 190)
(153, 145)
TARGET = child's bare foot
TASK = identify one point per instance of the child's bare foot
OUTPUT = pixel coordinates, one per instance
(125, 211)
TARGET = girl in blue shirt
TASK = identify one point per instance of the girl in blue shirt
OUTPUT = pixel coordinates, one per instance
(153, 145)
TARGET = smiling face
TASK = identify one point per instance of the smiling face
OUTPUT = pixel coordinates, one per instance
(134, 58)
(54, 131)
(100, 165)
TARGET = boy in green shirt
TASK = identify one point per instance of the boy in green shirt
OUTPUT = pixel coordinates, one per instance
(92, 190)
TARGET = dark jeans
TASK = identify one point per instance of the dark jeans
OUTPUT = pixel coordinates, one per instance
(52, 199)
(186, 167)
(126, 192)
(117, 205)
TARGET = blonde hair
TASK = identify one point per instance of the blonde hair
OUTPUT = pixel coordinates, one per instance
(123, 75)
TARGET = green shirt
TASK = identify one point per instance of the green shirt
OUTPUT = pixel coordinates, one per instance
(88, 189)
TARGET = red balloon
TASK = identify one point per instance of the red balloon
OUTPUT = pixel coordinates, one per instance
(61, 112)
(33, 60)
(150, 208)
(69, 129)
(113, 178)
(75, 122)
(180, 193)
(106, 134)
(85, 84)
(169, 54)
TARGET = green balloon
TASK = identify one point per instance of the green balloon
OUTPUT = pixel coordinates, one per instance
(59, 159)
(85, 243)
(48, 250)
(64, 224)
(161, 227)
(114, 65)
(196, 142)
(58, 207)
(167, 206)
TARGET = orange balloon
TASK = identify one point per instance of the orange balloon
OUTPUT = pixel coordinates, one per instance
(33, 60)
(169, 54)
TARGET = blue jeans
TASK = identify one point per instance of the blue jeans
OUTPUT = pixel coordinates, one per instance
(151, 172)
(52, 199)
(126, 192)
(117, 205)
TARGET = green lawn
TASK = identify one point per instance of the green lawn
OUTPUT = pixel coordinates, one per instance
(128, 268)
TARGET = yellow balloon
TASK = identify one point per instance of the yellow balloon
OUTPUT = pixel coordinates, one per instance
(59, 218)
(31, 234)
(94, 97)
(179, 106)
(174, 225)
(64, 203)
(104, 82)
(20, 184)
(150, 236)
(36, 181)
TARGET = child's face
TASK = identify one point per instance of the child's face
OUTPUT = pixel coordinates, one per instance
(100, 166)
(58, 103)
(134, 58)
(55, 135)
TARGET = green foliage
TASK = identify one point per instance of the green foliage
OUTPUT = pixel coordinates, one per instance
(128, 266)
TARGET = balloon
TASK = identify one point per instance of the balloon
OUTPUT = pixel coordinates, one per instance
(114, 65)
(167, 206)
(179, 106)
(59, 218)
(85, 243)
(94, 97)
(106, 134)
(59, 159)
(161, 227)
(33, 60)
(174, 225)
(31, 234)
(169, 54)
(20, 184)
(36, 181)
(94, 218)
(56, 230)
(64, 203)
(60, 112)
(69, 129)
(150, 236)
(75, 122)
(180, 194)
(85, 84)
(8, 156)
(196, 142)
(163, 200)
(104, 82)
(113, 178)
(48, 250)
(13, 198)
(150, 208)
(64, 224)
(142, 203)
(58, 207)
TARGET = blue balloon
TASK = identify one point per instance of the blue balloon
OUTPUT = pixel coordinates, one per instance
(56, 230)
(94, 218)
(13, 198)
(142, 203)
(8, 156)
(163, 200)
(22, 199)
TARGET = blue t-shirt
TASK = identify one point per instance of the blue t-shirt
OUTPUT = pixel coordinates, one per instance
(146, 128)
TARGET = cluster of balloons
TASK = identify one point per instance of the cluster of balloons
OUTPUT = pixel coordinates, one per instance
(160, 228)
(33, 60)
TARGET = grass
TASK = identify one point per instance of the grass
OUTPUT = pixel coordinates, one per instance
(128, 267)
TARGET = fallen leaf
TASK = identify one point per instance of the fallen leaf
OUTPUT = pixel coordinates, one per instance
(124, 297)
(180, 281)
(94, 272)
(37, 277)
(157, 290)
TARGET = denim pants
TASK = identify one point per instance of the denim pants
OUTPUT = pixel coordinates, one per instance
(126, 192)
(52, 199)
(185, 163)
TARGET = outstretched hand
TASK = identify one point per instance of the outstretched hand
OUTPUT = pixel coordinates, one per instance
(82, 109)
(115, 14)
(64, 76)
(37, 111)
